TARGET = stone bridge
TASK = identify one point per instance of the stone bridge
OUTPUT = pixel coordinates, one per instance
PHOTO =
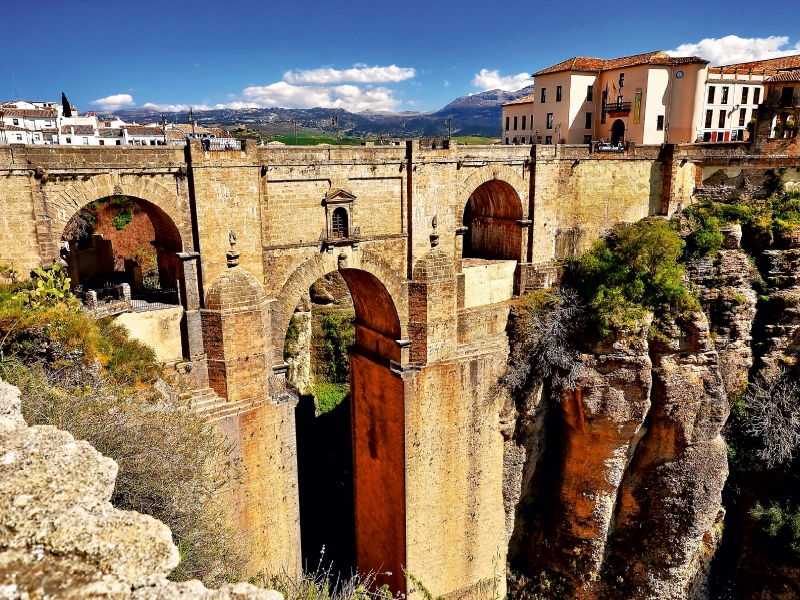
(244, 234)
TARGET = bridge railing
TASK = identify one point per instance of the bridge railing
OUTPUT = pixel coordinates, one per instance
(222, 145)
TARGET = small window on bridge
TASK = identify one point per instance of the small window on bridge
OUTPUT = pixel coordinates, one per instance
(339, 223)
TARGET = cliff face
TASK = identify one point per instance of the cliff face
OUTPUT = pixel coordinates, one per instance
(621, 479)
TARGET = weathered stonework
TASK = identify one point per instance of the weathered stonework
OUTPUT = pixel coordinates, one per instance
(429, 490)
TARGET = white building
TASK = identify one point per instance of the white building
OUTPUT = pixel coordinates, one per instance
(732, 95)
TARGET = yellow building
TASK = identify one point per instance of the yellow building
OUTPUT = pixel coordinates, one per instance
(518, 121)
(647, 99)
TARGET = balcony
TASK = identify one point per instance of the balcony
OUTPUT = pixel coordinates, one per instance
(616, 109)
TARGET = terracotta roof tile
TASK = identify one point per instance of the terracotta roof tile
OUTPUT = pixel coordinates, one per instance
(42, 113)
(79, 129)
(770, 64)
(109, 132)
(582, 63)
(173, 134)
(140, 130)
(785, 77)
(529, 99)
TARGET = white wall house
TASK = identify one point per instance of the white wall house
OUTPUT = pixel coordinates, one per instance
(732, 95)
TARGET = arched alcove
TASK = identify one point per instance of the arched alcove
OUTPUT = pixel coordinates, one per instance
(123, 239)
(491, 216)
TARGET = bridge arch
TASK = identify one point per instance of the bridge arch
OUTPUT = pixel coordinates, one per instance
(376, 420)
(163, 205)
(301, 279)
(492, 201)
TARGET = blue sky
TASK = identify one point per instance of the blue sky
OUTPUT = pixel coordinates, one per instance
(358, 55)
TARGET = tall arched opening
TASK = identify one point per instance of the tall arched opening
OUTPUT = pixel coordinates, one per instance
(351, 458)
(491, 217)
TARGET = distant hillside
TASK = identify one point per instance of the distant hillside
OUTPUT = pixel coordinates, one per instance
(477, 114)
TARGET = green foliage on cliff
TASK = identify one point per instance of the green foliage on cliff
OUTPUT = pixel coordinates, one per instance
(338, 331)
(635, 270)
(89, 378)
(765, 223)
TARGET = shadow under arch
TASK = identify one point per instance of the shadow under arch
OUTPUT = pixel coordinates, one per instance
(377, 429)
(491, 216)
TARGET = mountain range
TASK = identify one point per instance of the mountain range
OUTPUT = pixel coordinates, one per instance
(477, 114)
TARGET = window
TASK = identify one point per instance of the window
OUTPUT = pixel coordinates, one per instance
(102, 142)
(69, 140)
(507, 122)
(19, 137)
(756, 95)
(742, 115)
(548, 139)
(660, 123)
(720, 136)
(559, 90)
(119, 142)
(544, 95)
(587, 139)
(711, 90)
(725, 89)
(588, 123)
(621, 80)
(16, 121)
(515, 141)
(721, 123)
(531, 121)
(506, 141)
(745, 94)
(524, 118)
(523, 139)
(339, 223)
(589, 93)
(709, 116)
(707, 136)
(549, 120)
(86, 141)
(787, 97)
(515, 123)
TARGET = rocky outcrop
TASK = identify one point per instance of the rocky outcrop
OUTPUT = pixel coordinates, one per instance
(631, 504)
(298, 350)
(61, 538)
(670, 497)
(603, 422)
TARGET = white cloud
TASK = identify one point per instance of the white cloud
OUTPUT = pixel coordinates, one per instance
(446, 83)
(113, 102)
(492, 80)
(178, 107)
(733, 49)
(285, 95)
(359, 74)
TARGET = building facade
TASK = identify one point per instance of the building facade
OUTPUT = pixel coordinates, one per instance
(732, 95)
(518, 121)
(649, 98)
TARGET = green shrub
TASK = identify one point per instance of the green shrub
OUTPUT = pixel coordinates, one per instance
(50, 288)
(120, 220)
(329, 395)
(635, 270)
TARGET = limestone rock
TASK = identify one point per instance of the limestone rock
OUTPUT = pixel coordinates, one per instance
(59, 535)
(671, 495)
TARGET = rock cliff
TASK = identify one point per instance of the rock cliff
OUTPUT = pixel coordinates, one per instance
(61, 538)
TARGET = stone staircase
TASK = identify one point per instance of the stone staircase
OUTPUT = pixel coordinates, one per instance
(213, 408)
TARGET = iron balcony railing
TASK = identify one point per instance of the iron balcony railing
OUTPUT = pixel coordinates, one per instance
(612, 107)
